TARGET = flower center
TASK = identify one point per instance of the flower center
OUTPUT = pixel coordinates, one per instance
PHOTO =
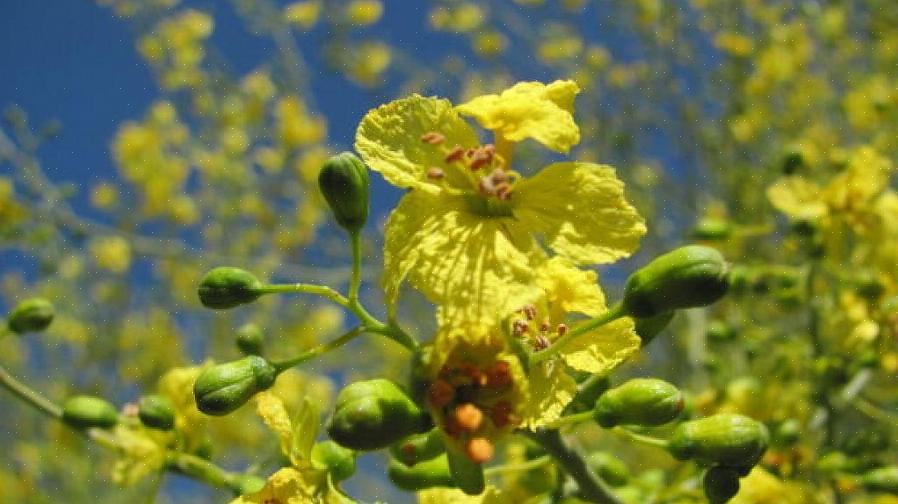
(538, 335)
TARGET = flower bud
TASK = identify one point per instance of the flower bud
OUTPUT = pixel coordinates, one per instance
(250, 339)
(222, 389)
(84, 412)
(343, 181)
(157, 412)
(721, 484)
(467, 474)
(883, 479)
(726, 439)
(426, 474)
(31, 315)
(687, 277)
(373, 414)
(641, 401)
(648, 328)
(711, 229)
(609, 468)
(419, 447)
(336, 460)
(788, 432)
(244, 484)
(225, 287)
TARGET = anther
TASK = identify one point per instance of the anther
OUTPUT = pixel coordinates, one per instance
(481, 157)
(498, 175)
(434, 173)
(529, 312)
(501, 414)
(519, 327)
(503, 191)
(433, 138)
(469, 417)
(455, 154)
(541, 342)
(479, 450)
(561, 329)
(498, 375)
(441, 393)
(544, 326)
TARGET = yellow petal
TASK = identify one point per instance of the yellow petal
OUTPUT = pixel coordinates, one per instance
(530, 110)
(551, 389)
(601, 350)
(139, 455)
(177, 385)
(286, 486)
(274, 414)
(491, 495)
(477, 269)
(389, 141)
(797, 197)
(581, 209)
(866, 176)
(569, 289)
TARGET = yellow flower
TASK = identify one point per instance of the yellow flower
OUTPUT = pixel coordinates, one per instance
(177, 385)
(491, 495)
(364, 12)
(303, 14)
(568, 290)
(139, 454)
(466, 235)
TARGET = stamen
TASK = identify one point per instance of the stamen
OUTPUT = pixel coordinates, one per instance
(498, 375)
(544, 326)
(529, 311)
(479, 450)
(541, 342)
(503, 191)
(481, 157)
(441, 393)
(469, 417)
(455, 154)
(498, 175)
(434, 173)
(486, 186)
(561, 329)
(502, 414)
(433, 138)
(519, 327)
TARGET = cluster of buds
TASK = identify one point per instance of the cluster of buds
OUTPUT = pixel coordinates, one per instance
(470, 398)
(538, 336)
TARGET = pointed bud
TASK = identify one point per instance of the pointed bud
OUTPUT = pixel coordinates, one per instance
(418, 447)
(687, 277)
(225, 287)
(373, 414)
(31, 315)
(222, 389)
(641, 401)
(157, 412)
(425, 474)
(84, 412)
(343, 181)
(249, 339)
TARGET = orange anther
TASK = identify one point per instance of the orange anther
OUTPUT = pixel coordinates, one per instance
(519, 327)
(562, 329)
(499, 375)
(501, 414)
(455, 154)
(529, 312)
(469, 417)
(544, 326)
(434, 173)
(440, 393)
(433, 138)
(479, 450)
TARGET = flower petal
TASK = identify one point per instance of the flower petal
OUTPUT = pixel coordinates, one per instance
(551, 389)
(530, 110)
(797, 197)
(581, 209)
(389, 141)
(287, 486)
(603, 349)
(569, 289)
(477, 269)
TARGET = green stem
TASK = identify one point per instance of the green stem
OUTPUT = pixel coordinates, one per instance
(183, 463)
(592, 488)
(576, 418)
(301, 288)
(320, 349)
(874, 412)
(355, 281)
(523, 466)
(613, 313)
(640, 438)
(28, 395)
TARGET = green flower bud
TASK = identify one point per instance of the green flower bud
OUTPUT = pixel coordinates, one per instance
(883, 479)
(373, 414)
(225, 287)
(588, 391)
(648, 328)
(222, 389)
(869, 286)
(250, 339)
(343, 181)
(83, 412)
(641, 401)
(419, 447)
(31, 315)
(687, 277)
(721, 484)
(726, 439)
(333, 458)
(792, 161)
(157, 412)
(243, 484)
(609, 468)
(426, 474)
(467, 474)
(711, 229)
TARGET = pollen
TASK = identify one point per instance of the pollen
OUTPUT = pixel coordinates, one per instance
(434, 173)
(529, 311)
(519, 327)
(502, 414)
(441, 393)
(561, 329)
(479, 450)
(455, 154)
(469, 417)
(433, 138)
(498, 375)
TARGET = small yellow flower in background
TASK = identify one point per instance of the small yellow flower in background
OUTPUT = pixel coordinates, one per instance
(461, 18)
(466, 235)
(112, 253)
(761, 487)
(366, 63)
(364, 12)
(103, 196)
(177, 386)
(491, 495)
(296, 126)
(734, 43)
(303, 15)
(139, 454)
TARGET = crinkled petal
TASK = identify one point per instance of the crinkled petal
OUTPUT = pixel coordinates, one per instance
(477, 269)
(389, 141)
(603, 349)
(491, 495)
(530, 110)
(797, 197)
(287, 486)
(273, 413)
(865, 177)
(569, 289)
(296, 437)
(551, 389)
(582, 211)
